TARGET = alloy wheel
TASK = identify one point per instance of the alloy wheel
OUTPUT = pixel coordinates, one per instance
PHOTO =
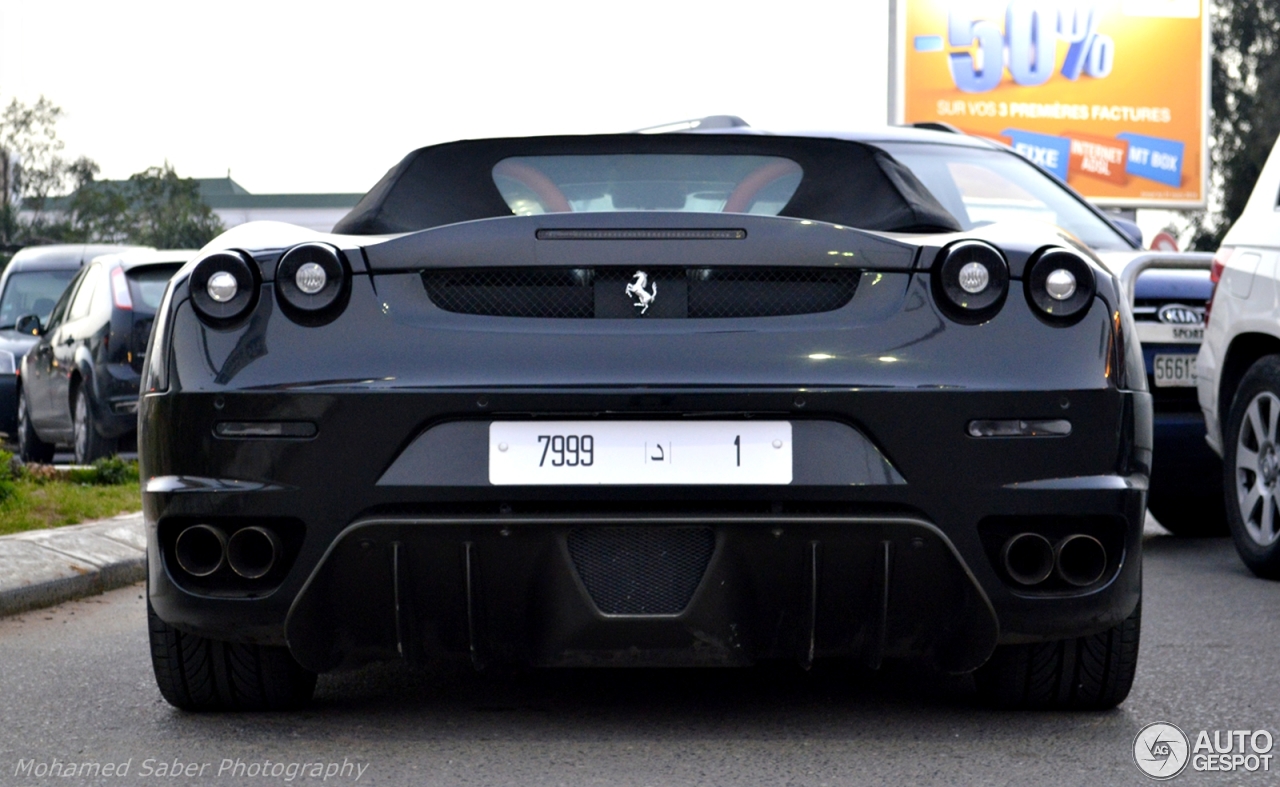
(1258, 468)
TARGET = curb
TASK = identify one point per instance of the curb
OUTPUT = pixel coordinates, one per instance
(40, 568)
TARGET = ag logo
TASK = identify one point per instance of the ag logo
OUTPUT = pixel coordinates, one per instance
(1160, 750)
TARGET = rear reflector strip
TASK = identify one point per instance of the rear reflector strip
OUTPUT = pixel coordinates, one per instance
(641, 234)
(265, 429)
(1018, 428)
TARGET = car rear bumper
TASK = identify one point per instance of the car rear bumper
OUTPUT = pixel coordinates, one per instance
(116, 399)
(567, 591)
(1183, 464)
(865, 565)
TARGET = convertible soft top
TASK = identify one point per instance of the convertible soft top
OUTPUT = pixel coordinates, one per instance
(844, 182)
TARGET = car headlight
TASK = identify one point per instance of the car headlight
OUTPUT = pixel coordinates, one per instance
(312, 283)
(224, 288)
(971, 280)
(8, 364)
(1059, 284)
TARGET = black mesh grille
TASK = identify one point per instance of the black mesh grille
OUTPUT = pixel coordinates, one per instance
(641, 570)
(513, 292)
(768, 292)
(697, 293)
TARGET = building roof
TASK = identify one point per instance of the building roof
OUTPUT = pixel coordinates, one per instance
(226, 193)
(219, 187)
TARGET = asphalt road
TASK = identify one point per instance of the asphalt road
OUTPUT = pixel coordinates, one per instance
(76, 687)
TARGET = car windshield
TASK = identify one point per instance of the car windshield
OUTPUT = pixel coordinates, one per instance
(983, 186)
(32, 292)
(147, 284)
(762, 185)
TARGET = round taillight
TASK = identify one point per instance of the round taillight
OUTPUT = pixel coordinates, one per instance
(224, 288)
(971, 280)
(312, 282)
(1059, 284)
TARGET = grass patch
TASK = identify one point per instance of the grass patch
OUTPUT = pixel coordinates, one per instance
(33, 506)
(38, 496)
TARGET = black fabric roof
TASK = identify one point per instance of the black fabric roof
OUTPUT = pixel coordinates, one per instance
(845, 182)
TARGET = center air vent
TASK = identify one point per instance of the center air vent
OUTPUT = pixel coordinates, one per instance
(662, 292)
(641, 570)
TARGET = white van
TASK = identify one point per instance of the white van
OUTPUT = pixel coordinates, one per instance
(1238, 372)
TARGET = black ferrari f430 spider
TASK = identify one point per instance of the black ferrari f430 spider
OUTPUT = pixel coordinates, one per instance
(638, 400)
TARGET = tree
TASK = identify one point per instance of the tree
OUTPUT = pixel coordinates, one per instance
(32, 167)
(154, 207)
(1245, 82)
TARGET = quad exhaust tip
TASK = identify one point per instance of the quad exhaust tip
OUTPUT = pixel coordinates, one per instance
(1079, 560)
(1028, 558)
(201, 550)
(252, 552)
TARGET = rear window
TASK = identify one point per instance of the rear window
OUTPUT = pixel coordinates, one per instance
(33, 292)
(831, 180)
(147, 283)
(532, 185)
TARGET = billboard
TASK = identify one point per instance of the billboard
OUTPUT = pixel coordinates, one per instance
(1110, 95)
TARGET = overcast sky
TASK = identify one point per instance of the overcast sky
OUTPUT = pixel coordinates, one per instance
(320, 97)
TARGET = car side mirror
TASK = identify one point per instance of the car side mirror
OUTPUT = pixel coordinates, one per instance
(1130, 229)
(29, 323)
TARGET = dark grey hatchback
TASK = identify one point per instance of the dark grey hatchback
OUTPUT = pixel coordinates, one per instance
(80, 379)
(32, 282)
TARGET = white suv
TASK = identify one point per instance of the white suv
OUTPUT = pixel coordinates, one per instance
(1239, 373)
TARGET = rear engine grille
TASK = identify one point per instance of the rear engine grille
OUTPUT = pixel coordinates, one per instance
(512, 292)
(641, 570)
(695, 293)
(768, 292)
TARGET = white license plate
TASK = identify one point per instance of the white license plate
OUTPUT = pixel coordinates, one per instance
(625, 453)
(1174, 371)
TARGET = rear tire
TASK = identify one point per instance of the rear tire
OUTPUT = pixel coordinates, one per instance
(89, 445)
(198, 674)
(1251, 468)
(1082, 673)
(30, 447)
